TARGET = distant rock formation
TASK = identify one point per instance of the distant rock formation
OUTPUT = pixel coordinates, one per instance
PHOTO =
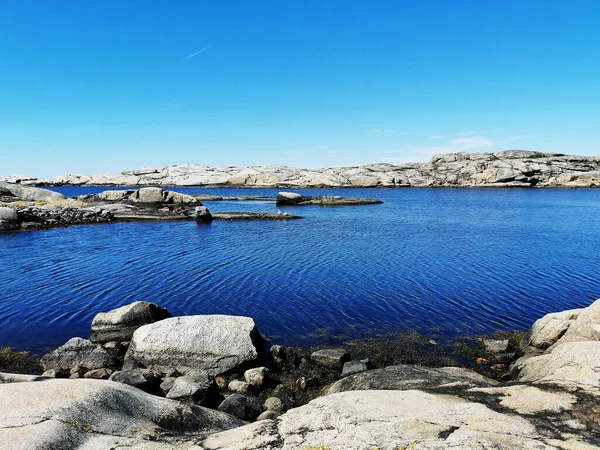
(508, 168)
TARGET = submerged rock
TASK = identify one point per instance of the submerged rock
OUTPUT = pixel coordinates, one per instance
(214, 343)
(120, 324)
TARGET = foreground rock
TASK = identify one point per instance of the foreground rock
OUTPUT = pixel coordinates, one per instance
(293, 199)
(510, 168)
(97, 414)
(120, 324)
(214, 343)
(386, 419)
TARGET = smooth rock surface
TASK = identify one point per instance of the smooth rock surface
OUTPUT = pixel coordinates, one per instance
(550, 328)
(120, 324)
(98, 415)
(214, 343)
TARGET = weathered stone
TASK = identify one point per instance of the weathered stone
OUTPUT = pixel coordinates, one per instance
(191, 390)
(239, 387)
(268, 415)
(77, 352)
(166, 384)
(547, 330)
(214, 343)
(241, 406)
(120, 324)
(9, 220)
(285, 357)
(333, 358)
(32, 193)
(258, 435)
(495, 346)
(143, 379)
(404, 377)
(51, 373)
(98, 374)
(274, 404)
(352, 367)
(569, 364)
(584, 327)
(98, 414)
(202, 214)
(256, 377)
(150, 195)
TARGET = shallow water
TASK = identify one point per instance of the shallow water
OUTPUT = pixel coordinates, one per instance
(445, 262)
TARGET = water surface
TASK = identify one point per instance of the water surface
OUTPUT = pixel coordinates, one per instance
(452, 262)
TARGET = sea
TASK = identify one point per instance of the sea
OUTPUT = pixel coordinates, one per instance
(443, 262)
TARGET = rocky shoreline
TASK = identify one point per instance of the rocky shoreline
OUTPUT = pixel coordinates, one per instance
(510, 168)
(206, 382)
(31, 208)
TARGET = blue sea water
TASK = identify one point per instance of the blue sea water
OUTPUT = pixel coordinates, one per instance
(444, 262)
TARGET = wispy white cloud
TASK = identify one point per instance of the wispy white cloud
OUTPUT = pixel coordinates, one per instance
(202, 50)
(472, 142)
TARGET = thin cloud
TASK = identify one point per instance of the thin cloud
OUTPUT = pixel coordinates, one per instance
(196, 53)
(473, 142)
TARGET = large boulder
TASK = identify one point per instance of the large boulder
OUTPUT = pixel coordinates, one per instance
(568, 364)
(77, 352)
(214, 343)
(99, 414)
(550, 328)
(584, 327)
(9, 220)
(386, 419)
(119, 324)
(149, 195)
(289, 198)
(32, 193)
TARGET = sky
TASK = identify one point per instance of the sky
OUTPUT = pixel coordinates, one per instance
(105, 86)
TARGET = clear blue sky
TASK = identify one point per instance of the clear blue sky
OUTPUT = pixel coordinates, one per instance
(105, 86)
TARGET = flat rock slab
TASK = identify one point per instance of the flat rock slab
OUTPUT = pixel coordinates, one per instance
(120, 324)
(92, 414)
(214, 343)
(253, 216)
(294, 199)
(385, 419)
(411, 377)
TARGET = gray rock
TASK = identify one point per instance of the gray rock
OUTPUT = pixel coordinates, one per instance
(98, 374)
(9, 220)
(241, 406)
(150, 195)
(352, 367)
(333, 358)
(143, 379)
(403, 377)
(550, 328)
(202, 214)
(167, 384)
(268, 415)
(77, 352)
(98, 414)
(191, 390)
(495, 346)
(274, 404)
(32, 193)
(257, 376)
(214, 343)
(120, 324)
(386, 419)
(239, 387)
(584, 327)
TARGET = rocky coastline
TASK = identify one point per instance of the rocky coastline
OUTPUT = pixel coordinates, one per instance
(509, 168)
(148, 380)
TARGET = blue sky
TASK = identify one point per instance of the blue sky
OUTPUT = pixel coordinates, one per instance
(105, 86)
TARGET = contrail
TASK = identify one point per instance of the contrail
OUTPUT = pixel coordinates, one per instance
(196, 53)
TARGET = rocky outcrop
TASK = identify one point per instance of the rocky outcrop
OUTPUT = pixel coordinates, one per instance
(506, 168)
(294, 199)
(31, 193)
(144, 196)
(120, 324)
(97, 414)
(9, 220)
(214, 343)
